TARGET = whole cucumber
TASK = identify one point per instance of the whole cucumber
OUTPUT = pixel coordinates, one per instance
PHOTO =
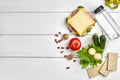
(102, 41)
(96, 40)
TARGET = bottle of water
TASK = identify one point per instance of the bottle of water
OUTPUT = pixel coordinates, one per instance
(107, 23)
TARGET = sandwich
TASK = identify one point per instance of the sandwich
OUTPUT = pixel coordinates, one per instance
(80, 22)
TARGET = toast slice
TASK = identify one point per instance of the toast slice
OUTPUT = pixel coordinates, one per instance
(81, 21)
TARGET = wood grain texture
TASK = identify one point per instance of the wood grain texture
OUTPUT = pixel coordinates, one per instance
(33, 23)
(49, 6)
(27, 48)
(38, 23)
(41, 46)
(46, 69)
(44, 46)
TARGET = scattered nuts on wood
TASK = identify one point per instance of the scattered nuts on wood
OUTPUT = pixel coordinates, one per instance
(58, 40)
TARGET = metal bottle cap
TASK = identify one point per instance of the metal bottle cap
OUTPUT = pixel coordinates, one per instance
(100, 8)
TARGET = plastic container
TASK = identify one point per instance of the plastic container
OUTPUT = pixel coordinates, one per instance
(107, 23)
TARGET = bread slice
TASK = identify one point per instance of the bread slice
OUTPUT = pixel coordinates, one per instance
(81, 21)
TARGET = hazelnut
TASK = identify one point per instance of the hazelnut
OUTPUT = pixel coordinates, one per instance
(69, 57)
(65, 36)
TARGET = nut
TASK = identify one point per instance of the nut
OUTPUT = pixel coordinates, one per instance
(69, 57)
(56, 35)
(59, 32)
(65, 36)
(74, 60)
(67, 67)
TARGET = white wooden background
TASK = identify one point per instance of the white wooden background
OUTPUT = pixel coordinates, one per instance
(27, 48)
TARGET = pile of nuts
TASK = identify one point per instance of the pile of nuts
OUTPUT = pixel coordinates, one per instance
(59, 40)
(65, 37)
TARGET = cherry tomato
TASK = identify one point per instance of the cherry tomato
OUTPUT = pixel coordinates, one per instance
(74, 44)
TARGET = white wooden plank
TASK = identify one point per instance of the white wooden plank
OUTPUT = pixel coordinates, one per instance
(46, 69)
(43, 46)
(38, 46)
(28, 45)
(48, 6)
(38, 23)
(43, 23)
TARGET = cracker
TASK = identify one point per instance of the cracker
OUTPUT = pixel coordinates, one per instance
(94, 71)
(103, 69)
(112, 61)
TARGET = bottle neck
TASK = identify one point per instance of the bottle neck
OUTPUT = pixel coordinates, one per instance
(100, 11)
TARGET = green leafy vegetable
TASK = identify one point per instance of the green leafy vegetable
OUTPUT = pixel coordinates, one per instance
(66, 19)
(89, 30)
(87, 59)
(84, 63)
(77, 34)
(80, 7)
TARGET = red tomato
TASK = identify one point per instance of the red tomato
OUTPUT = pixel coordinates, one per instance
(74, 44)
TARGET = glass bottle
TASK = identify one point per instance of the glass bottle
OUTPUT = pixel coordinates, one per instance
(107, 23)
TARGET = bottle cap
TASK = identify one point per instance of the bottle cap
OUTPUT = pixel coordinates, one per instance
(100, 8)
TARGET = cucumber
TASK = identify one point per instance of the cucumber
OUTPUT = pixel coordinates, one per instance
(96, 40)
(102, 41)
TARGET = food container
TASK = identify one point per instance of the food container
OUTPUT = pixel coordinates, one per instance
(107, 23)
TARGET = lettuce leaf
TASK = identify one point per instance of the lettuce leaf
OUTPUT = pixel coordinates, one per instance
(86, 59)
